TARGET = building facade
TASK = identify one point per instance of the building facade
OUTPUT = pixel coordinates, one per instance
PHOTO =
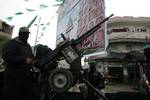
(5, 34)
(127, 36)
(76, 17)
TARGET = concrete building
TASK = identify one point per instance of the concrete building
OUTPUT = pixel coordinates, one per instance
(5, 34)
(127, 36)
(6, 29)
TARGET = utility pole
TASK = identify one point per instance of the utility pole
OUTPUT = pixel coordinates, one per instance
(36, 37)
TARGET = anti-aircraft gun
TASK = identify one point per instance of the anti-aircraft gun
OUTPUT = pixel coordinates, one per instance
(60, 79)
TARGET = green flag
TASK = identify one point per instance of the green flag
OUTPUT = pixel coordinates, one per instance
(44, 28)
(39, 38)
(9, 18)
(42, 34)
(58, 4)
(30, 10)
(48, 23)
(19, 13)
(60, 0)
(32, 21)
(43, 6)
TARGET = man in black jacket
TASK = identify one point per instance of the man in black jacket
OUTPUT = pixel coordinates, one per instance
(17, 55)
(95, 77)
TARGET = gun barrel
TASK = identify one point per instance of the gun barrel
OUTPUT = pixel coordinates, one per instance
(91, 31)
(95, 90)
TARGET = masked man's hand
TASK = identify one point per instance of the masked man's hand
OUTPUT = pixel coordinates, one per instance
(36, 63)
(29, 61)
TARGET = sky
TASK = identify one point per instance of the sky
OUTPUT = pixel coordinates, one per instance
(47, 15)
(136, 8)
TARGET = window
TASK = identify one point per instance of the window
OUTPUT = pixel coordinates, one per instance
(120, 30)
(128, 47)
(141, 30)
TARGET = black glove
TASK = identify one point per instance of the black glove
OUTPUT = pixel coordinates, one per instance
(36, 63)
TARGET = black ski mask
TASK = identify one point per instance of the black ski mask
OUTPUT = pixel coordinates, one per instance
(23, 36)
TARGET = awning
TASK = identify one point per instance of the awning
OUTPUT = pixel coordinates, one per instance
(134, 56)
(117, 55)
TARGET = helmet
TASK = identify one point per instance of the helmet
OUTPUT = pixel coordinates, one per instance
(24, 30)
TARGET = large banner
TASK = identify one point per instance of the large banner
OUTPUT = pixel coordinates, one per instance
(76, 17)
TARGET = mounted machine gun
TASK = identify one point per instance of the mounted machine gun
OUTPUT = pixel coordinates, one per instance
(60, 80)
